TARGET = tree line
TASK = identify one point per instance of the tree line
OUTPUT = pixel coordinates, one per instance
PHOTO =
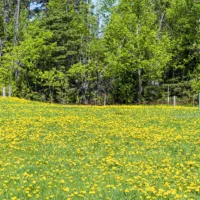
(78, 51)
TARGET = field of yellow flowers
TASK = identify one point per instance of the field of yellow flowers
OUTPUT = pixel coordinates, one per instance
(50, 151)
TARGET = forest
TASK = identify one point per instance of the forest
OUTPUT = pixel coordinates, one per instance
(81, 51)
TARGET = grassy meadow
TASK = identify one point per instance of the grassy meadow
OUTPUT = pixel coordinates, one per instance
(50, 151)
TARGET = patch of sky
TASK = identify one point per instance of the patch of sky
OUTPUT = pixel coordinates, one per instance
(35, 5)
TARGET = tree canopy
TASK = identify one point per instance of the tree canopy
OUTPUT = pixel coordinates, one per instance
(79, 51)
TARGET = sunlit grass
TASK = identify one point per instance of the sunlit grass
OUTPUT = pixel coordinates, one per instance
(87, 152)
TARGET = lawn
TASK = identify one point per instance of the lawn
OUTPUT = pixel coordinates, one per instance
(50, 151)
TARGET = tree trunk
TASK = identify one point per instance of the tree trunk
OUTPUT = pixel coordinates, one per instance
(160, 26)
(16, 30)
(6, 18)
(16, 26)
(139, 69)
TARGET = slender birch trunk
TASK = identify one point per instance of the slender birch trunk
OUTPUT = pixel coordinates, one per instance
(139, 68)
(16, 26)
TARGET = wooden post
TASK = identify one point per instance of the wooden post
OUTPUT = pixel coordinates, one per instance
(105, 98)
(193, 100)
(9, 91)
(140, 85)
(4, 92)
(174, 100)
(168, 95)
(199, 101)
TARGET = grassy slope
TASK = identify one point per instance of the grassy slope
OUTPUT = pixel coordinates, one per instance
(83, 152)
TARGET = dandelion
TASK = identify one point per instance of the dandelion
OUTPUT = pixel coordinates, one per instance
(66, 189)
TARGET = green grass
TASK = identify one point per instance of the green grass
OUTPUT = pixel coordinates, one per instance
(88, 152)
